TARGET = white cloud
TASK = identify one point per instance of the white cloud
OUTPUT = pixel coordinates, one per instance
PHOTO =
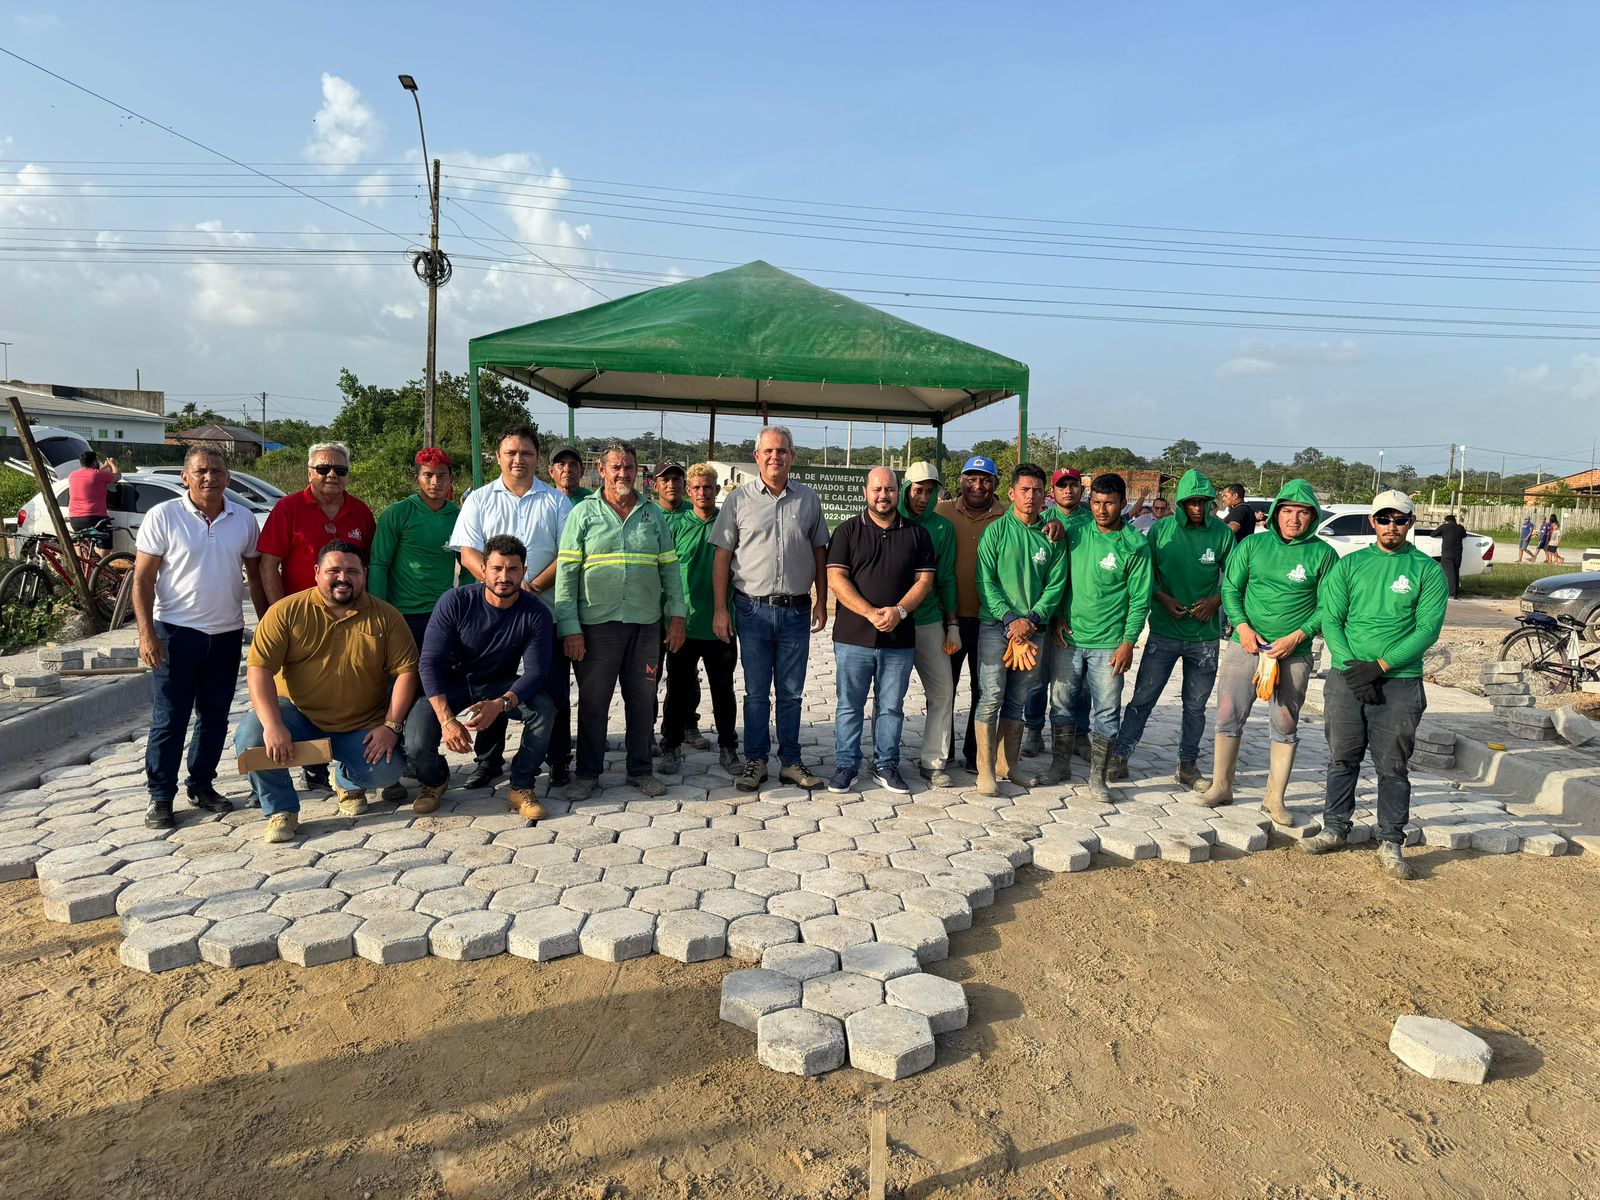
(1528, 377)
(224, 294)
(1586, 381)
(346, 130)
(37, 22)
(27, 197)
(1275, 358)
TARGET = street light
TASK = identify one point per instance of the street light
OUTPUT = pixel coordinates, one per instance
(7, 346)
(1379, 486)
(431, 267)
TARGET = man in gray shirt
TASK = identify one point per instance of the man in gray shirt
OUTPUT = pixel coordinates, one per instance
(771, 545)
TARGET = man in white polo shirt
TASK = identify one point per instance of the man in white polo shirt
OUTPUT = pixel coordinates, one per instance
(188, 597)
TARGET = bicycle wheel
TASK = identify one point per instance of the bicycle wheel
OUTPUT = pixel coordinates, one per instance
(122, 610)
(106, 580)
(26, 584)
(1543, 658)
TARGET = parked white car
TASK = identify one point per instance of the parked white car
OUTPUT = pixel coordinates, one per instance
(135, 494)
(1345, 527)
(251, 487)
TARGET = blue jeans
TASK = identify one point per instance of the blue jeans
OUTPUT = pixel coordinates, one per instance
(352, 771)
(1072, 668)
(887, 673)
(1003, 693)
(197, 676)
(1388, 730)
(423, 733)
(1033, 716)
(775, 644)
(1160, 655)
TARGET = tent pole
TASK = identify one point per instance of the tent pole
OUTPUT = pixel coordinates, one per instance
(1022, 426)
(477, 432)
(572, 425)
(938, 448)
(711, 434)
(849, 440)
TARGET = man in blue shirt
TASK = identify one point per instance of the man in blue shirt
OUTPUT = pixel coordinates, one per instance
(486, 654)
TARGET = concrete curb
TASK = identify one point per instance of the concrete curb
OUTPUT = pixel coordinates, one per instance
(44, 734)
(1574, 794)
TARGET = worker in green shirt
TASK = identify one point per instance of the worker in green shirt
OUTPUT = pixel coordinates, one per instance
(1187, 554)
(935, 620)
(1382, 608)
(691, 525)
(412, 563)
(617, 579)
(1065, 509)
(667, 494)
(1021, 577)
(566, 470)
(1108, 597)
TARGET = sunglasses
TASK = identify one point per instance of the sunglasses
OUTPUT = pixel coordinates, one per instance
(323, 469)
(1400, 519)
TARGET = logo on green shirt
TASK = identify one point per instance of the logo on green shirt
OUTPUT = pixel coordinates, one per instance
(1401, 584)
(1109, 562)
(1209, 556)
(1298, 575)
(1040, 555)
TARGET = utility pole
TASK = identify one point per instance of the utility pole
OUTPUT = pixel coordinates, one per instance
(1058, 448)
(1461, 487)
(6, 347)
(263, 422)
(849, 440)
(1450, 469)
(661, 440)
(432, 268)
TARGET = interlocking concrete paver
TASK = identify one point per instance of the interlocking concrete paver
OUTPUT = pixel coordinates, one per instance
(464, 936)
(635, 876)
(799, 961)
(799, 1042)
(242, 941)
(1439, 1049)
(157, 910)
(835, 933)
(594, 897)
(522, 897)
(307, 902)
(889, 1041)
(164, 945)
(689, 935)
(393, 937)
(942, 1001)
(879, 960)
(544, 933)
(88, 899)
(233, 904)
(568, 874)
(950, 907)
(618, 934)
(382, 901)
(867, 905)
(321, 938)
(747, 996)
(749, 937)
(917, 932)
(448, 902)
(841, 993)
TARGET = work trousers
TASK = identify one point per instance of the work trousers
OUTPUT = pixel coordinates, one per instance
(1236, 693)
(614, 651)
(423, 733)
(939, 687)
(351, 771)
(683, 691)
(1156, 662)
(1388, 731)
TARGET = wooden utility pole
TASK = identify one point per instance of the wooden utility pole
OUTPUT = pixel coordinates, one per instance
(433, 302)
(263, 422)
(41, 473)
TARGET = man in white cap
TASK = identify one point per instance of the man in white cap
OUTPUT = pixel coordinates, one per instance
(935, 620)
(1382, 607)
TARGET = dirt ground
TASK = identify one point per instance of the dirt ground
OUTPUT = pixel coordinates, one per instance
(1158, 1030)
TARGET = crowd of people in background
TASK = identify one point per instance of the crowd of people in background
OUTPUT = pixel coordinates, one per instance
(442, 620)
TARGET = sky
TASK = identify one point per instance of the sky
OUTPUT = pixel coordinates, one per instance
(1258, 226)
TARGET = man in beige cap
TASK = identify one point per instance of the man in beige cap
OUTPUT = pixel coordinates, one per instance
(935, 620)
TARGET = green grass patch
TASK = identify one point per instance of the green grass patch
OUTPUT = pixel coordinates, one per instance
(1510, 579)
(1573, 541)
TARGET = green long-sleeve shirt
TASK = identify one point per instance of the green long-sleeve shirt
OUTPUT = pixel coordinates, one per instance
(1272, 585)
(609, 569)
(1377, 605)
(692, 537)
(1108, 593)
(942, 599)
(1186, 563)
(1021, 572)
(412, 563)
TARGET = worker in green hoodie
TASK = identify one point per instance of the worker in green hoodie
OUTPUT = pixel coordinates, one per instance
(1021, 577)
(1099, 622)
(935, 619)
(1382, 608)
(1188, 553)
(1270, 593)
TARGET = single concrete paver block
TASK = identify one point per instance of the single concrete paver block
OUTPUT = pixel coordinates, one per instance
(428, 879)
(618, 934)
(320, 938)
(242, 941)
(799, 1042)
(594, 897)
(800, 905)
(942, 1001)
(393, 937)
(879, 960)
(1236, 835)
(691, 936)
(233, 904)
(163, 945)
(889, 1041)
(918, 932)
(841, 993)
(1546, 844)
(799, 961)
(1496, 841)
(750, 937)
(731, 904)
(307, 902)
(747, 996)
(1127, 845)
(837, 933)
(664, 898)
(950, 907)
(1180, 847)
(465, 936)
(1061, 854)
(1440, 1049)
(383, 901)
(87, 899)
(544, 933)
(523, 896)
(448, 902)
(997, 867)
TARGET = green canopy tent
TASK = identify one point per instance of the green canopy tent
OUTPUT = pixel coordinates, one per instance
(749, 340)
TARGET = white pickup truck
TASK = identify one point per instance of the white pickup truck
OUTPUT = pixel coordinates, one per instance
(1345, 527)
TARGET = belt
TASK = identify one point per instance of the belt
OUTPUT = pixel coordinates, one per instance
(801, 601)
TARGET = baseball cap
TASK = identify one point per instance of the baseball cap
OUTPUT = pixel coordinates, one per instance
(1065, 474)
(667, 468)
(921, 472)
(566, 452)
(1398, 501)
(979, 463)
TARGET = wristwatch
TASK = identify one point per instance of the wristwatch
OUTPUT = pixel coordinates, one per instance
(394, 727)
(901, 609)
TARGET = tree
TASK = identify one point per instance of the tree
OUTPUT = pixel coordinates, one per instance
(1308, 458)
(1403, 474)
(1180, 452)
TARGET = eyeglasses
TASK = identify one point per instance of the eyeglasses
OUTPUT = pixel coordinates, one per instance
(323, 469)
(1388, 519)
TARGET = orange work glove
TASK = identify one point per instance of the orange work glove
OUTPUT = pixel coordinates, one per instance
(1266, 678)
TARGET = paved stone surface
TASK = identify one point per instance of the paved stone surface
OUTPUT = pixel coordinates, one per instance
(1440, 1049)
(163, 945)
(941, 1000)
(806, 884)
(464, 936)
(747, 996)
(889, 1041)
(799, 1042)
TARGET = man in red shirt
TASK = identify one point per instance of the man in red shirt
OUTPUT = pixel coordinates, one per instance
(303, 522)
(86, 491)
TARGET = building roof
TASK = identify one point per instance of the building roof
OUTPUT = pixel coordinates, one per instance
(220, 433)
(42, 404)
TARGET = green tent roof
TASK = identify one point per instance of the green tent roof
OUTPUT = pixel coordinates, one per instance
(751, 339)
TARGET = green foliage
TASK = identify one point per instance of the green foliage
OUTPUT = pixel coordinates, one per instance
(16, 489)
(1510, 579)
(24, 625)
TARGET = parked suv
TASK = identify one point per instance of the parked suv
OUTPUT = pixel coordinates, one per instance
(1346, 527)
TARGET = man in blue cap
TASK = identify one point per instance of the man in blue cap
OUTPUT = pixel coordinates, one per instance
(970, 511)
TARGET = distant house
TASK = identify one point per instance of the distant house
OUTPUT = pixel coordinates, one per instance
(1584, 483)
(94, 419)
(234, 441)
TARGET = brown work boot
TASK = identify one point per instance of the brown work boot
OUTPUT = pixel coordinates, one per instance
(985, 735)
(526, 803)
(281, 827)
(427, 800)
(351, 803)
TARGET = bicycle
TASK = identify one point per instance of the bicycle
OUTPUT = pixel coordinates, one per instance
(42, 571)
(1549, 649)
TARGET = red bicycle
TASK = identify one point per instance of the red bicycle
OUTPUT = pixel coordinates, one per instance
(42, 571)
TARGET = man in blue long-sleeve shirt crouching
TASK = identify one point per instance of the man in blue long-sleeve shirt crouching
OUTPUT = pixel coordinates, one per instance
(477, 638)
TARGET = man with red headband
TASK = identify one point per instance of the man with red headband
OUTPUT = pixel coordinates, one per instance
(412, 563)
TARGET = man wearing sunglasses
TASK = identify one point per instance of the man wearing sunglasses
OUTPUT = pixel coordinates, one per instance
(1382, 607)
(302, 523)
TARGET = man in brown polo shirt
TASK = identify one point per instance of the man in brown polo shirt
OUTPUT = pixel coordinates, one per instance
(329, 662)
(971, 510)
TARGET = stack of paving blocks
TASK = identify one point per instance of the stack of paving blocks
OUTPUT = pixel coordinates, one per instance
(1507, 689)
(33, 686)
(1435, 749)
(113, 656)
(61, 658)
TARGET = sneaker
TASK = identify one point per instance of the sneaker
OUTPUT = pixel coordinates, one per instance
(888, 778)
(560, 776)
(843, 780)
(315, 778)
(753, 775)
(159, 815)
(696, 740)
(937, 777)
(527, 803)
(648, 784)
(281, 827)
(204, 795)
(581, 787)
(1391, 861)
(351, 803)
(671, 761)
(484, 776)
(1325, 841)
(800, 777)
(395, 793)
(728, 756)
(427, 800)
